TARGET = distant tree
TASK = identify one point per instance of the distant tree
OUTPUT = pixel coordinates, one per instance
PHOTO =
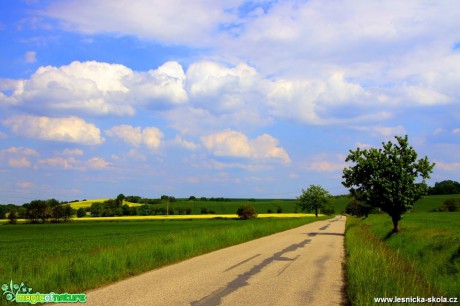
(3, 211)
(192, 198)
(96, 209)
(57, 210)
(21, 211)
(81, 212)
(314, 198)
(119, 200)
(125, 210)
(68, 212)
(110, 204)
(12, 217)
(246, 211)
(36, 211)
(144, 210)
(445, 187)
(133, 199)
(203, 199)
(385, 178)
(328, 210)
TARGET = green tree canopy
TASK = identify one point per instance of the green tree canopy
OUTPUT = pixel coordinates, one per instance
(314, 198)
(386, 178)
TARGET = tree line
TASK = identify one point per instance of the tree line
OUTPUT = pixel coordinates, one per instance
(38, 211)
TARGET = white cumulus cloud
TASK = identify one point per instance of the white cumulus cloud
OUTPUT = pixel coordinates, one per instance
(151, 137)
(67, 129)
(236, 144)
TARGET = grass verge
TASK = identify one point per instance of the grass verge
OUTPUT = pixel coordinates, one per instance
(422, 260)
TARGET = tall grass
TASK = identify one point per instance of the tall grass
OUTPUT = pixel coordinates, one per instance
(79, 256)
(422, 260)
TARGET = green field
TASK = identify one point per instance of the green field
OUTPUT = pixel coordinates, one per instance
(229, 206)
(427, 203)
(74, 257)
(422, 260)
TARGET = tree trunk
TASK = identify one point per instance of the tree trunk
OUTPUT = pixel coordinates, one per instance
(316, 211)
(395, 220)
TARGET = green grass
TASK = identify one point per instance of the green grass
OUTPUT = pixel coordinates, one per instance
(427, 203)
(74, 257)
(422, 260)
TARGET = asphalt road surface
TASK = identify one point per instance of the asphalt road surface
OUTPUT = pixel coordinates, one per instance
(302, 266)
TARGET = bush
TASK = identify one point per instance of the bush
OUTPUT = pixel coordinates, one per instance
(449, 205)
(81, 212)
(245, 212)
(279, 210)
(328, 210)
(358, 208)
(12, 217)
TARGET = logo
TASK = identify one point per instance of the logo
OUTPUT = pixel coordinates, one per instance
(21, 293)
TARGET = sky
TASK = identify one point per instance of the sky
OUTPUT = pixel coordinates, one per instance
(231, 98)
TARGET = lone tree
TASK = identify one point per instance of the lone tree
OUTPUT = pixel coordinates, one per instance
(314, 198)
(385, 178)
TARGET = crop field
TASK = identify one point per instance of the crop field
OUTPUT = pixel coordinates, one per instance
(77, 256)
(422, 260)
(88, 203)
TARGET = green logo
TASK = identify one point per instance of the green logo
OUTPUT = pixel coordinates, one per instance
(21, 293)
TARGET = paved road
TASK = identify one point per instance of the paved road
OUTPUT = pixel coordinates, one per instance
(301, 266)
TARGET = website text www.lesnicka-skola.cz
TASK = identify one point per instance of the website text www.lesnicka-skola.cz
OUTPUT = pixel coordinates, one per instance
(416, 299)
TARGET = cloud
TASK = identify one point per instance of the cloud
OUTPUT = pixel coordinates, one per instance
(25, 184)
(183, 143)
(129, 134)
(237, 95)
(70, 163)
(209, 82)
(390, 131)
(235, 144)
(448, 167)
(30, 57)
(20, 151)
(97, 163)
(19, 162)
(327, 163)
(68, 129)
(87, 87)
(151, 137)
(72, 152)
(164, 85)
(169, 22)
(95, 88)
(456, 131)
(18, 157)
(386, 131)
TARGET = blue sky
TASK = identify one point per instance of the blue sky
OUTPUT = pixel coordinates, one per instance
(219, 98)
